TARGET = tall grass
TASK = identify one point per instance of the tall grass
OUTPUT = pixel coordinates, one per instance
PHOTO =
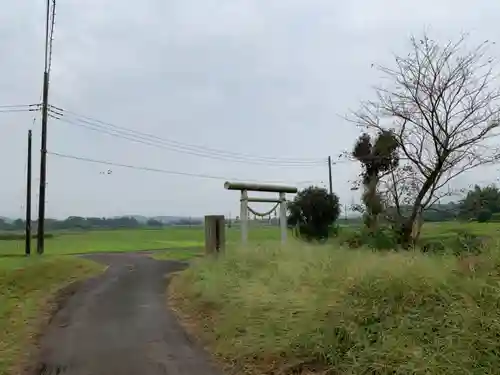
(346, 311)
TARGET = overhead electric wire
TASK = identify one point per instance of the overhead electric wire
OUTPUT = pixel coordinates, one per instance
(119, 131)
(106, 127)
(17, 110)
(18, 105)
(14, 108)
(149, 169)
(160, 144)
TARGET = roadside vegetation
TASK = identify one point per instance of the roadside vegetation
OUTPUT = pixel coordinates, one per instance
(393, 295)
(28, 287)
(334, 310)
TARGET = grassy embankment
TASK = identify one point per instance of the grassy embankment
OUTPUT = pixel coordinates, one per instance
(27, 289)
(331, 310)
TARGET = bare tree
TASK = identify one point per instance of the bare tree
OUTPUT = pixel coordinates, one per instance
(442, 105)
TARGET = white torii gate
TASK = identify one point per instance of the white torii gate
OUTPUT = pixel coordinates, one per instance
(244, 188)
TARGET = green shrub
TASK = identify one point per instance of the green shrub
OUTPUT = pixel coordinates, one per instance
(312, 213)
(433, 246)
(461, 243)
(466, 242)
(484, 215)
(382, 239)
(352, 239)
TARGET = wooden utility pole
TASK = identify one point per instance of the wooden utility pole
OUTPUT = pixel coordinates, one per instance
(27, 248)
(43, 170)
(43, 147)
(330, 174)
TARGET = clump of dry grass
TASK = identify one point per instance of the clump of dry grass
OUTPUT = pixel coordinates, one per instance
(347, 311)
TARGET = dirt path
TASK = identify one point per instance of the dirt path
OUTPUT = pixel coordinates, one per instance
(119, 324)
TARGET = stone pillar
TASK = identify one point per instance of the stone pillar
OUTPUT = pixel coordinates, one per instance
(215, 234)
(283, 221)
(244, 217)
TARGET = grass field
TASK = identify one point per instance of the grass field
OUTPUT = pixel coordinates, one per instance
(27, 286)
(185, 237)
(131, 240)
(331, 310)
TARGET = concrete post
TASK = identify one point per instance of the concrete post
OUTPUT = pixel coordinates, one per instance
(283, 221)
(215, 234)
(244, 217)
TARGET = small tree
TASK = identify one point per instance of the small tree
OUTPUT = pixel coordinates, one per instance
(479, 199)
(154, 223)
(484, 215)
(312, 212)
(377, 158)
(442, 106)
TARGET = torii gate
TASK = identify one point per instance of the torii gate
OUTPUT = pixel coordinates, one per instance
(244, 188)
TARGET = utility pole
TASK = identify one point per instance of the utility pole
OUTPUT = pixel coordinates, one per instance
(43, 170)
(330, 174)
(43, 147)
(27, 248)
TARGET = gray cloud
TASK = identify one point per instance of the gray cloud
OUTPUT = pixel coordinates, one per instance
(258, 77)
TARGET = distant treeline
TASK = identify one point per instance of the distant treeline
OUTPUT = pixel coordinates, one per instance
(88, 223)
(435, 213)
(480, 204)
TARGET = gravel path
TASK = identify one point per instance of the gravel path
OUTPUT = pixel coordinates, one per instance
(119, 324)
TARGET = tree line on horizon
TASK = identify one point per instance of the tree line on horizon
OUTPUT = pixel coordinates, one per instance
(89, 223)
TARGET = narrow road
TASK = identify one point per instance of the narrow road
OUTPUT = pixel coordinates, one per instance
(119, 324)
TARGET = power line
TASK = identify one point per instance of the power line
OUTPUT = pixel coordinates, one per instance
(186, 147)
(13, 106)
(17, 110)
(149, 169)
(126, 133)
(161, 145)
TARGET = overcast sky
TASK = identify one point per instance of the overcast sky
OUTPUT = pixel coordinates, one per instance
(265, 78)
